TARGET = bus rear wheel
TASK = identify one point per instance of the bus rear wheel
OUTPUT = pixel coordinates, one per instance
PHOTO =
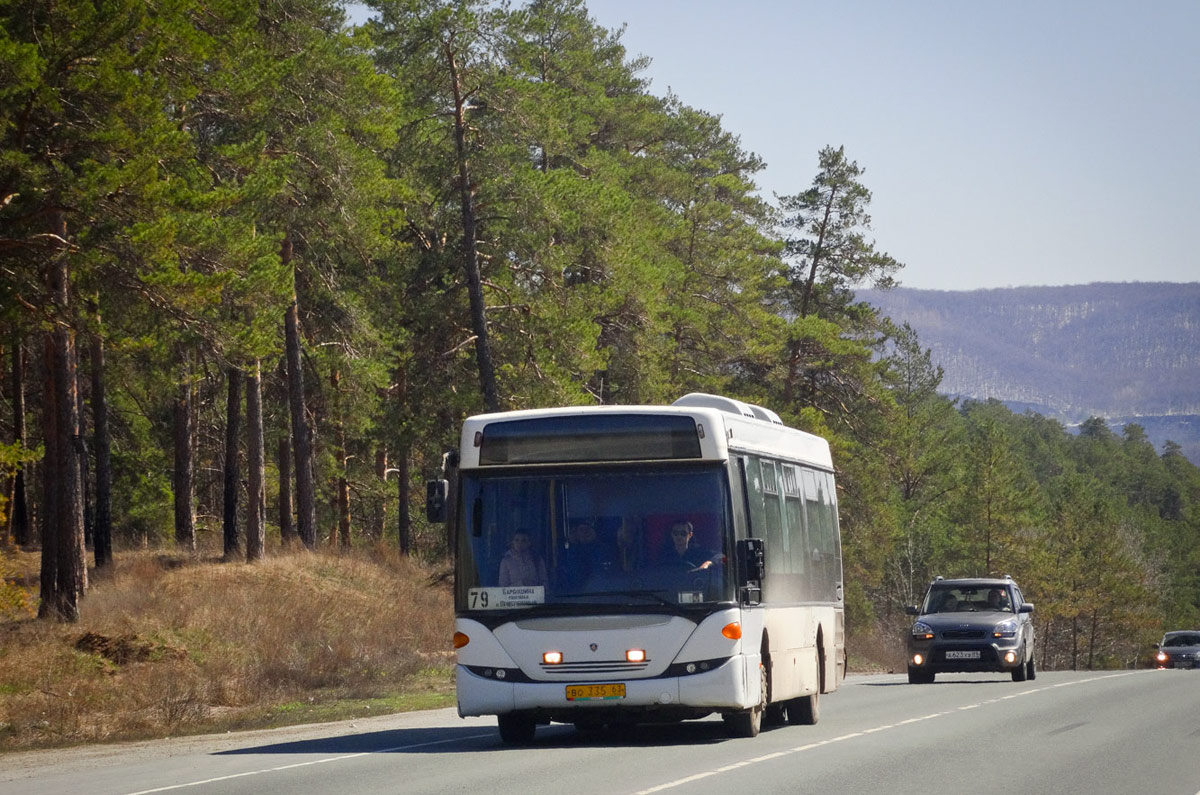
(516, 729)
(804, 711)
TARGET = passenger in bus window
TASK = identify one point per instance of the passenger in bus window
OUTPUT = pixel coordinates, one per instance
(682, 553)
(627, 553)
(520, 566)
(581, 557)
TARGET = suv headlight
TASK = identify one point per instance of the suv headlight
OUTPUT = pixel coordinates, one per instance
(922, 631)
(1005, 629)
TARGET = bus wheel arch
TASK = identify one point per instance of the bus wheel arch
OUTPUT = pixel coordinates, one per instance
(775, 712)
(822, 668)
(806, 710)
(748, 722)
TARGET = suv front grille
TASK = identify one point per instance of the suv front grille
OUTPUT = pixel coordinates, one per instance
(964, 634)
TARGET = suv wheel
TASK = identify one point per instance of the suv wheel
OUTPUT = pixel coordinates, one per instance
(1021, 672)
(919, 677)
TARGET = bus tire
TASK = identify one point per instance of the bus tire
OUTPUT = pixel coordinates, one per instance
(516, 729)
(748, 722)
(804, 711)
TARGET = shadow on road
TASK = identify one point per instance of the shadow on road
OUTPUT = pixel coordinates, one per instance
(487, 738)
(943, 682)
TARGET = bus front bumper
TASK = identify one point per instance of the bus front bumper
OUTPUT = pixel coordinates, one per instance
(726, 687)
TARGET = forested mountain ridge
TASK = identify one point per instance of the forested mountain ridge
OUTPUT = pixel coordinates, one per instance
(1126, 352)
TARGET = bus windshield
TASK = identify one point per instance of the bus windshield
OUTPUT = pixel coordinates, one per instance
(650, 537)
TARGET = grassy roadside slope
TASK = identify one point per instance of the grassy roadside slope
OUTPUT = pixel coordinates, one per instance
(176, 645)
(179, 645)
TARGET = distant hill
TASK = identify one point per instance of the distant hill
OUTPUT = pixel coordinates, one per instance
(1127, 352)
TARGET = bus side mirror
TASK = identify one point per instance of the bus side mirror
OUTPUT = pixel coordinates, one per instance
(435, 500)
(752, 563)
(752, 559)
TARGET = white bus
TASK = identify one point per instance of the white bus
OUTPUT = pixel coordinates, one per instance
(618, 564)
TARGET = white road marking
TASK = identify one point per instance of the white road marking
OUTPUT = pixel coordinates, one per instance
(864, 732)
(304, 764)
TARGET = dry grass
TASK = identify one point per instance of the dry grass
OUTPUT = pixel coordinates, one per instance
(875, 651)
(173, 644)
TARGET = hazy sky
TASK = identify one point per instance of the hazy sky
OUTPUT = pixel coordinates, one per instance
(1005, 143)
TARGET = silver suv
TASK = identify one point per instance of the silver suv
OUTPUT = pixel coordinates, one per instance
(979, 624)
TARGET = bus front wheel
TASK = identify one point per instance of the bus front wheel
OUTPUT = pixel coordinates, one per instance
(748, 722)
(516, 729)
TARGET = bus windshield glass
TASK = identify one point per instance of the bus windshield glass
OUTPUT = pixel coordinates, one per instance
(651, 537)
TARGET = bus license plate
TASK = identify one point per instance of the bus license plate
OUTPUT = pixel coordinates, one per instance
(604, 692)
(962, 655)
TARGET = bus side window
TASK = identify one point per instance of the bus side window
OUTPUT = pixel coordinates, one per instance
(794, 516)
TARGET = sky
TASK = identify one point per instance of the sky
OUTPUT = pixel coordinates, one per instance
(1004, 143)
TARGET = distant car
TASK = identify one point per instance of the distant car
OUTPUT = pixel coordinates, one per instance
(967, 625)
(1180, 649)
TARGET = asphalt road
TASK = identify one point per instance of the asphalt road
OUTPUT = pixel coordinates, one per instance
(1083, 732)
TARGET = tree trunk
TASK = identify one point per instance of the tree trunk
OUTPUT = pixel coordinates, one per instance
(64, 567)
(483, 349)
(306, 504)
(233, 415)
(51, 506)
(403, 517)
(379, 520)
(185, 520)
(342, 500)
(81, 450)
(256, 532)
(1095, 624)
(287, 530)
(19, 506)
(102, 534)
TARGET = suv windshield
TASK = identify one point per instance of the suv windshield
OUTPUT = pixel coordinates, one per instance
(654, 536)
(967, 599)
(1182, 640)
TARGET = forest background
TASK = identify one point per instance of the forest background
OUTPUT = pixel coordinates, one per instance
(256, 266)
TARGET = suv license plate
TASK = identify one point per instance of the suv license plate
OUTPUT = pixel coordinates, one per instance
(962, 655)
(604, 692)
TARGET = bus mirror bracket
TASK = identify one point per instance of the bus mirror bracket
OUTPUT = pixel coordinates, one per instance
(752, 564)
